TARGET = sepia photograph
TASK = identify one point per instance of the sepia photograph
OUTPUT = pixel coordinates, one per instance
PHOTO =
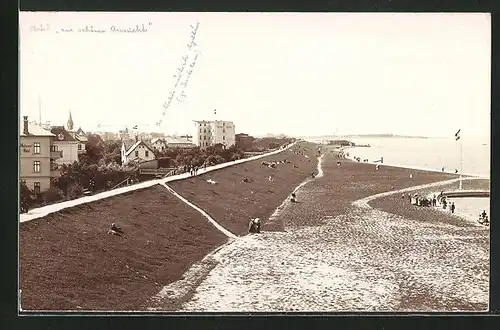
(254, 162)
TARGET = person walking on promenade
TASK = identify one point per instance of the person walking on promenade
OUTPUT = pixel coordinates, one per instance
(453, 207)
(434, 201)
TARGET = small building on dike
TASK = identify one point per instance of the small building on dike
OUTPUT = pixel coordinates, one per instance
(138, 151)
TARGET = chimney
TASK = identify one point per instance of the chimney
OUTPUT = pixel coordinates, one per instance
(25, 127)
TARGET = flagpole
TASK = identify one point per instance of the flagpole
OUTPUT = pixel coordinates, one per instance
(461, 163)
(39, 109)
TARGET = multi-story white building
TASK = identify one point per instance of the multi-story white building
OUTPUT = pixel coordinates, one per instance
(209, 133)
(37, 156)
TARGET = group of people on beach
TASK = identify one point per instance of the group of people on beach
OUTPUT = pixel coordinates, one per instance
(431, 201)
(441, 199)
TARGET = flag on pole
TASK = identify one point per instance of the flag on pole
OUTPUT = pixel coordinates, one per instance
(457, 135)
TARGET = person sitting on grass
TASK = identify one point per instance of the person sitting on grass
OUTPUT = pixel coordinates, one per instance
(254, 227)
(115, 230)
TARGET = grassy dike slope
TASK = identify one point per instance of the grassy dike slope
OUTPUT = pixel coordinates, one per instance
(332, 194)
(69, 262)
(232, 202)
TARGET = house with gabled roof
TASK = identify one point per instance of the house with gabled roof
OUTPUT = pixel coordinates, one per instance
(159, 144)
(137, 150)
(65, 142)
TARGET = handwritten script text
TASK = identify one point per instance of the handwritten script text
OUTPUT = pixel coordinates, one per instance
(90, 28)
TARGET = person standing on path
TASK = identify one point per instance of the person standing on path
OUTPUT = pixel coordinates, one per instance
(453, 207)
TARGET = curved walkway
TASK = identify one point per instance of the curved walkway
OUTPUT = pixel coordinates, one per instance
(205, 214)
(366, 260)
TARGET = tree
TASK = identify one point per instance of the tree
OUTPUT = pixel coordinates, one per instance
(24, 196)
(93, 150)
(111, 151)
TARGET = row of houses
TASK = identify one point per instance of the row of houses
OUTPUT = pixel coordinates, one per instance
(44, 148)
(139, 150)
(42, 151)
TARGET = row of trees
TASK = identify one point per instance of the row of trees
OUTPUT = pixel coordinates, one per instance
(199, 157)
(100, 168)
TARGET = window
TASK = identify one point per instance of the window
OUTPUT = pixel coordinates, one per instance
(200, 130)
(147, 153)
(224, 131)
(204, 137)
(36, 148)
(136, 153)
(79, 146)
(36, 166)
(36, 187)
(205, 130)
(223, 137)
(53, 148)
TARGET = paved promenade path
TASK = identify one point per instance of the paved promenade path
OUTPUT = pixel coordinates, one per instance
(364, 260)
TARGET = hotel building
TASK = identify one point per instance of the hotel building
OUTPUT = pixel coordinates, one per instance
(37, 156)
(209, 133)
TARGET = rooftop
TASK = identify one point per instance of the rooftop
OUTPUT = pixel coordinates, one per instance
(172, 139)
(34, 130)
(62, 134)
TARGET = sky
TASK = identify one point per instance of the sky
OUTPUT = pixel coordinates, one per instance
(292, 73)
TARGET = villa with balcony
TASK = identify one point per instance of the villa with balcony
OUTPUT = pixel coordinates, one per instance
(38, 156)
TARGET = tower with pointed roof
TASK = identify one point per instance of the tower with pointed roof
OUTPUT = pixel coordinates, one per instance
(70, 122)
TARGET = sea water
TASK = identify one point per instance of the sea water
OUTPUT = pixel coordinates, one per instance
(428, 153)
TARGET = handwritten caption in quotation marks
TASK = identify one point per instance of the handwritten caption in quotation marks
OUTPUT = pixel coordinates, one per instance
(183, 72)
(89, 28)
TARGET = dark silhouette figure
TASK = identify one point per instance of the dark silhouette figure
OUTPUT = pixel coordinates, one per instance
(115, 230)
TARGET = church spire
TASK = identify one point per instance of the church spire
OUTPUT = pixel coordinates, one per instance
(70, 122)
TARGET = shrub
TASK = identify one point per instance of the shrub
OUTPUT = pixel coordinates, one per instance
(75, 190)
(54, 194)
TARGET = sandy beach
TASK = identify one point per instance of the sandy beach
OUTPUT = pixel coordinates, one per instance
(331, 255)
